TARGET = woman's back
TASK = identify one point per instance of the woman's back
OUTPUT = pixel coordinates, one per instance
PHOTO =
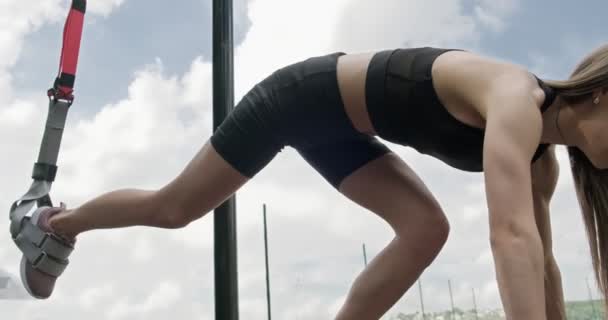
(431, 99)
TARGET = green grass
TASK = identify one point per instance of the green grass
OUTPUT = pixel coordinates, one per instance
(575, 310)
(584, 310)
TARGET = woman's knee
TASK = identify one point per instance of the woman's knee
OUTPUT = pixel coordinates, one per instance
(175, 220)
(438, 230)
(428, 227)
(169, 213)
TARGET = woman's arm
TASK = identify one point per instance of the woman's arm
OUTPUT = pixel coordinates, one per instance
(513, 130)
(545, 172)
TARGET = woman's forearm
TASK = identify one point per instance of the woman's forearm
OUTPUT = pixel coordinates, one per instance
(556, 307)
(520, 274)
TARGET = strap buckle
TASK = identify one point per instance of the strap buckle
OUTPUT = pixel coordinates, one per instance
(45, 263)
(56, 94)
(39, 260)
(61, 92)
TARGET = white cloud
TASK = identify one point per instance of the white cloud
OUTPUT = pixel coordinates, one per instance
(366, 26)
(19, 18)
(90, 297)
(103, 7)
(302, 29)
(153, 123)
(165, 295)
(492, 13)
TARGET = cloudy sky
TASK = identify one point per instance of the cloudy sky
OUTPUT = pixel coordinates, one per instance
(143, 109)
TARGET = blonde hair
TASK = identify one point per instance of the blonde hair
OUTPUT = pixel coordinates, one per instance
(591, 183)
(590, 74)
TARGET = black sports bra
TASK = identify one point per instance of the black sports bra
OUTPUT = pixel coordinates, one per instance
(410, 113)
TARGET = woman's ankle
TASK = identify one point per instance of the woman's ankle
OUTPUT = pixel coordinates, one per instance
(60, 225)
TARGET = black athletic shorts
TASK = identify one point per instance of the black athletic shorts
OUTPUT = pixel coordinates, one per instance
(298, 106)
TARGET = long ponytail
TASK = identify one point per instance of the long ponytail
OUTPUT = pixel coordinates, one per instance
(591, 184)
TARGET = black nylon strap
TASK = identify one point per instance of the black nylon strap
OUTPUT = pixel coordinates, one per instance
(80, 5)
(65, 80)
(44, 171)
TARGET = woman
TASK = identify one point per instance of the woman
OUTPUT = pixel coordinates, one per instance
(472, 112)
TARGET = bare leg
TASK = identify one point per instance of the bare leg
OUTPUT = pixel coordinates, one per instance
(389, 188)
(204, 184)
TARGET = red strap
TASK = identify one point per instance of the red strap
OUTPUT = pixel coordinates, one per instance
(72, 35)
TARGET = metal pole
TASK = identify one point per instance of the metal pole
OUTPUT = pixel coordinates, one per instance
(475, 304)
(595, 316)
(226, 280)
(267, 266)
(452, 300)
(421, 299)
(364, 255)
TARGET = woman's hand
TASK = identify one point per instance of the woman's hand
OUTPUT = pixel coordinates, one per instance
(513, 131)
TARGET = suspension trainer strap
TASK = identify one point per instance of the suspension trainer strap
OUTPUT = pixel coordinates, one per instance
(72, 34)
(60, 100)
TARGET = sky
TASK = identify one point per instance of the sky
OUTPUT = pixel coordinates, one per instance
(143, 109)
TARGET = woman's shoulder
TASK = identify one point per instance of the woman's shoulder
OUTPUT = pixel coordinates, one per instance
(465, 80)
(477, 78)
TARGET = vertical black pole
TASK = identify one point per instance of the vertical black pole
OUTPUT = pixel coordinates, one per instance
(226, 281)
(267, 266)
(364, 256)
(421, 299)
(452, 300)
(475, 305)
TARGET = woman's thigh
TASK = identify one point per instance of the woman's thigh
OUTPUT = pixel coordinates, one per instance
(337, 160)
(388, 187)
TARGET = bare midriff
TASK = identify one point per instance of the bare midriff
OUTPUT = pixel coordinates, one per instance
(352, 73)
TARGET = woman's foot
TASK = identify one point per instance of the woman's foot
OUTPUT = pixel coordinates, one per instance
(39, 280)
